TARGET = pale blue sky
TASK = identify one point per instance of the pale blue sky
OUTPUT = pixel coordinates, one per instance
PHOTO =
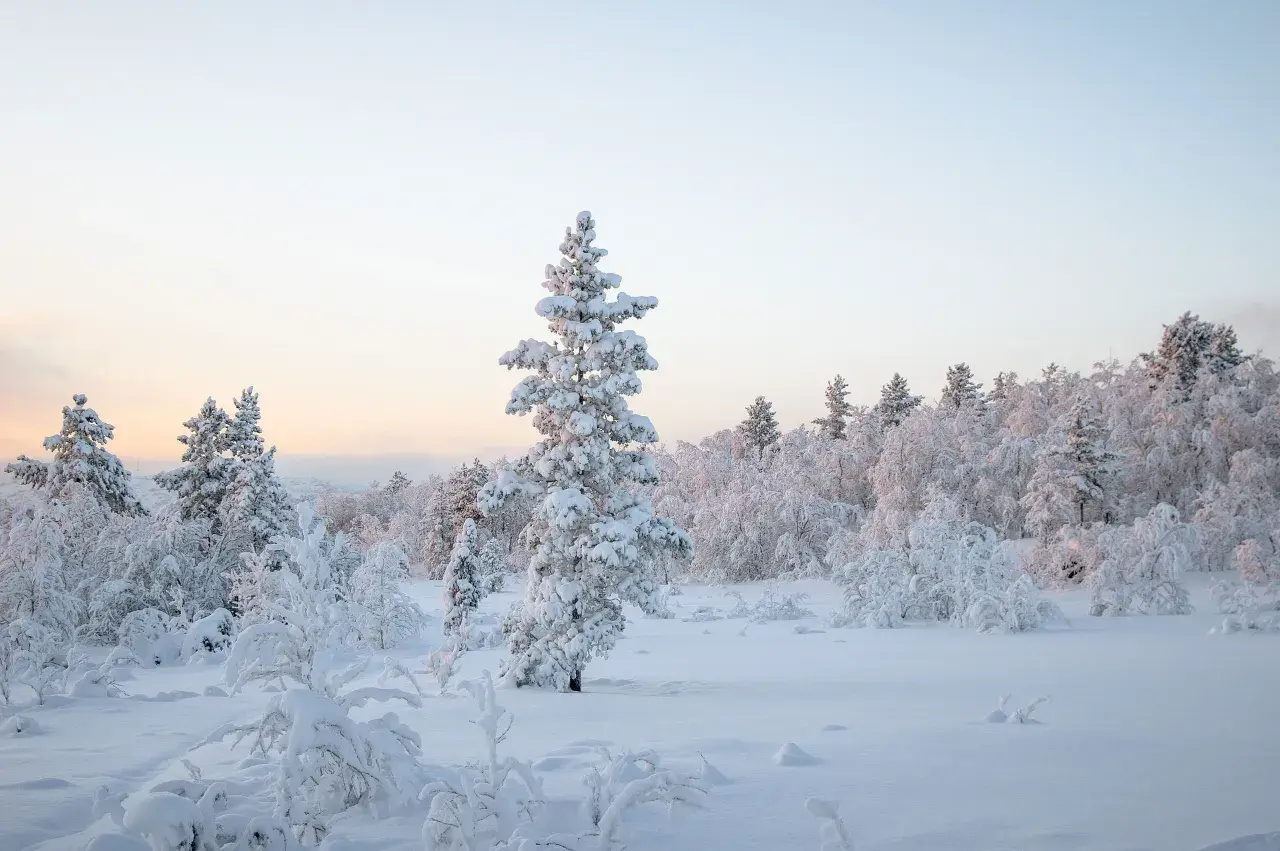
(350, 205)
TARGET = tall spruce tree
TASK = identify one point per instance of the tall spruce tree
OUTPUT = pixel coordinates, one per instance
(595, 540)
(80, 457)
(838, 409)
(896, 402)
(257, 504)
(960, 389)
(760, 429)
(201, 484)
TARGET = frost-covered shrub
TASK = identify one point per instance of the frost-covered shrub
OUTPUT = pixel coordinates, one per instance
(875, 590)
(330, 763)
(1067, 558)
(384, 615)
(41, 662)
(954, 571)
(1252, 601)
(1142, 566)
(494, 806)
(150, 634)
(169, 822)
(210, 635)
(773, 605)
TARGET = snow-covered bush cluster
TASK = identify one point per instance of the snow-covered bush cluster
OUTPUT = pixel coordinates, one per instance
(949, 570)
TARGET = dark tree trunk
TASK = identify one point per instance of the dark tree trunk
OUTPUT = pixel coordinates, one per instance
(575, 681)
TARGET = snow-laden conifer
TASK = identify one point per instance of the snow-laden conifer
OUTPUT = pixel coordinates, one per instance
(960, 389)
(80, 457)
(594, 538)
(201, 483)
(463, 589)
(257, 504)
(838, 409)
(760, 428)
(896, 402)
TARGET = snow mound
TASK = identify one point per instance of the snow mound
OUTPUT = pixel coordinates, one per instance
(1255, 842)
(712, 776)
(19, 725)
(116, 842)
(791, 754)
(214, 691)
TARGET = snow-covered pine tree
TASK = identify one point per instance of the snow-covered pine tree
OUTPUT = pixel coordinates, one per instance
(593, 538)
(838, 409)
(1074, 469)
(960, 388)
(1002, 386)
(257, 504)
(896, 402)
(493, 566)
(461, 490)
(1188, 345)
(1224, 350)
(398, 482)
(462, 583)
(760, 429)
(80, 457)
(201, 483)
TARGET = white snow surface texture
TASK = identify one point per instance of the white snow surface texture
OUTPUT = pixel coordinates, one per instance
(1157, 735)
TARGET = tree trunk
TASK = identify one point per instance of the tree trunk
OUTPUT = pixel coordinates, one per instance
(575, 681)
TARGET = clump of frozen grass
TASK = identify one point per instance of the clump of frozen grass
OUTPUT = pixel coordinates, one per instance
(496, 805)
(1001, 715)
(773, 605)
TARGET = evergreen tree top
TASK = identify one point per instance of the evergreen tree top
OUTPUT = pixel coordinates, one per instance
(80, 457)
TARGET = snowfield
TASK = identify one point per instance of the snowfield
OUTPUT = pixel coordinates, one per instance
(1156, 735)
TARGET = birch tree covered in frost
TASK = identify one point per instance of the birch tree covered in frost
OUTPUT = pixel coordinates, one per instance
(594, 539)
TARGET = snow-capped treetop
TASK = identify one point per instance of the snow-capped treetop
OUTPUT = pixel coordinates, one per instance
(256, 501)
(1187, 345)
(896, 402)
(760, 429)
(244, 434)
(838, 409)
(1002, 385)
(201, 485)
(461, 491)
(960, 388)
(592, 535)
(80, 457)
(398, 482)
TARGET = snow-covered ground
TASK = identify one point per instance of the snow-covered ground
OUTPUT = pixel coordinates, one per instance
(1157, 735)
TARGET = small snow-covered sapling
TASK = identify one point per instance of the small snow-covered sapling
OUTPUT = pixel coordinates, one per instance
(1023, 715)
